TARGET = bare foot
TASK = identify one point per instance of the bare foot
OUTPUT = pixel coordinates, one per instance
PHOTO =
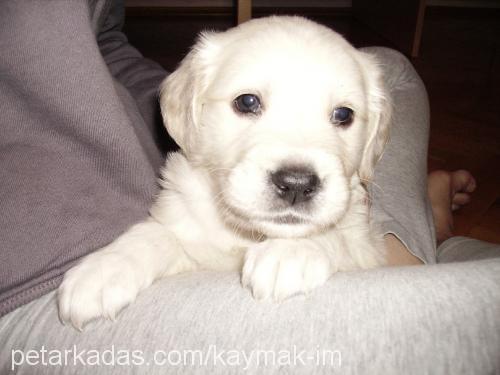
(448, 191)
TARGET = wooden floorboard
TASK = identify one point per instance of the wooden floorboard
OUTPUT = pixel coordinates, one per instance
(459, 63)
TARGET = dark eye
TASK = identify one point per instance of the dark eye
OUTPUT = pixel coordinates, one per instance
(247, 103)
(342, 116)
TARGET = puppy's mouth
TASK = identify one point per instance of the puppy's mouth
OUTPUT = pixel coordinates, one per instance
(273, 224)
(285, 219)
(288, 219)
(285, 225)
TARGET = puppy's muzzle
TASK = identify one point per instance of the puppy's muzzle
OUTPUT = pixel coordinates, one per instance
(296, 184)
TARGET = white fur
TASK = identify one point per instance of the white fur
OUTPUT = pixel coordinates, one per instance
(216, 209)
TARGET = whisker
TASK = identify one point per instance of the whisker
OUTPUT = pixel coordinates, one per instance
(373, 183)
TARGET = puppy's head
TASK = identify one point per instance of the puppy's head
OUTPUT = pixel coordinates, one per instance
(282, 113)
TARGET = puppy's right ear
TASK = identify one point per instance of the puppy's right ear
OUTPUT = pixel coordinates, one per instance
(181, 93)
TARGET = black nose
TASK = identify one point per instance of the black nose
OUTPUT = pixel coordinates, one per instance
(295, 184)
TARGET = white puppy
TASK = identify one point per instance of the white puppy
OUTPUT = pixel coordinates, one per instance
(280, 122)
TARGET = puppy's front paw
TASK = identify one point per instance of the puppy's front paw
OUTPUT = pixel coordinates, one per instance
(101, 285)
(282, 268)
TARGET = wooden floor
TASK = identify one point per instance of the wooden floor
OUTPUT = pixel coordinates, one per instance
(460, 65)
(459, 62)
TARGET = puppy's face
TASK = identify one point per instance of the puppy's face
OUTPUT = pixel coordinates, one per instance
(282, 112)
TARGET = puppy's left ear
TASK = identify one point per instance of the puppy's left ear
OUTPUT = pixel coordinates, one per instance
(379, 115)
(181, 93)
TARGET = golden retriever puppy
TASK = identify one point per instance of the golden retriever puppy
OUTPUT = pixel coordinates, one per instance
(280, 122)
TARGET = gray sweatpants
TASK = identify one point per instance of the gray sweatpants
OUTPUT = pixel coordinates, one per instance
(433, 319)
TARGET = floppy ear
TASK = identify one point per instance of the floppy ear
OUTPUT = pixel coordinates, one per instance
(181, 92)
(379, 115)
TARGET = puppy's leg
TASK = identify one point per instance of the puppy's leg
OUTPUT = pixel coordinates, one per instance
(106, 281)
(280, 268)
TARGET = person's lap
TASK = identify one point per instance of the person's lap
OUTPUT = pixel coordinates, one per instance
(412, 320)
(399, 189)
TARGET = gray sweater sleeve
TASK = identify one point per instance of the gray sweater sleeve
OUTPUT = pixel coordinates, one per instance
(140, 76)
(78, 145)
